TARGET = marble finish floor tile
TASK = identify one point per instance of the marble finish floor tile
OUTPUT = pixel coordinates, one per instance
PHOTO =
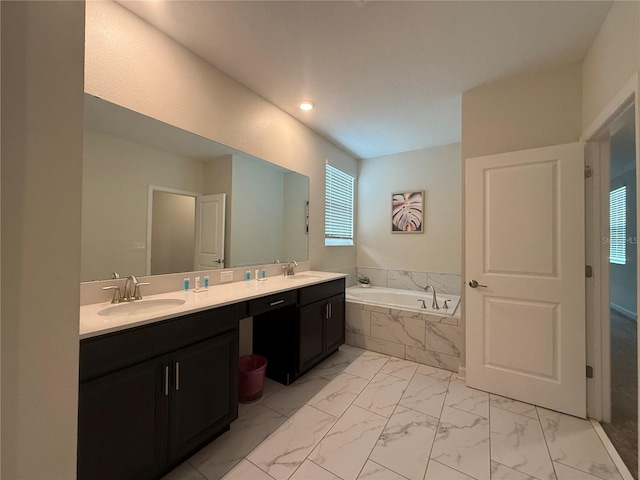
(310, 471)
(400, 368)
(184, 472)
(462, 443)
(245, 434)
(374, 471)
(339, 394)
(573, 442)
(346, 448)
(334, 365)
(286, 401)
(502, 472)
(425, 394)
(246, 470)
(517, 442)
(367, 365)
(467, 399)
(513, 406)
(434, 372)
(438, 471)
(567, 473)
(405, 442)
(286, 448)
(382, 394)
(432, 427)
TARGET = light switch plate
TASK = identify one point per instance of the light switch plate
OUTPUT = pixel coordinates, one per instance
(226, 276)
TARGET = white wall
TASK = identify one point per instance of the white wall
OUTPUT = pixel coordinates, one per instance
(130, 63)
(437, 172)
(42, 123)
(612, 59)
(115, 179)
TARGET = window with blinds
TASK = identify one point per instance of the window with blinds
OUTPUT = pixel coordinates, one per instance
(338, 224)
(618, 226)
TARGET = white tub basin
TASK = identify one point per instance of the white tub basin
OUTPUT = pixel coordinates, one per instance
(138, 307)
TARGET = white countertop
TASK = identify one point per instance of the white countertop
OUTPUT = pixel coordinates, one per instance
(92, 324)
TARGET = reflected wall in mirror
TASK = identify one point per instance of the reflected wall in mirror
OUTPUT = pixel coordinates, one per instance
(126, 153)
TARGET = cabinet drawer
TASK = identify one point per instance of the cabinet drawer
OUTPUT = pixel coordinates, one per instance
(314, 293)
(110, 352)
(272, 302)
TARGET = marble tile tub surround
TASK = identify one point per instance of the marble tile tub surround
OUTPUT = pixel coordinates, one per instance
(434, 340)
(448, 283)
(362, 415)
(91, 292)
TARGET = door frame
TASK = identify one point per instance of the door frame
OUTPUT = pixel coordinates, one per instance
(597, 227)
(157, 188)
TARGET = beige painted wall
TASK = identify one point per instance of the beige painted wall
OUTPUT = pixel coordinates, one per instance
(130, 63)
(295, 237)
(42, 110)
(527, 111)
(437, 171)
(614, 57)
(256, 213)
(173, 233)
(115, 180)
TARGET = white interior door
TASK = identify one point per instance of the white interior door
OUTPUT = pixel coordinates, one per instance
(525, 247)
(210, 232)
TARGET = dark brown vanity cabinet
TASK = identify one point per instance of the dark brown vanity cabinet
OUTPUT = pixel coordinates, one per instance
(321, 322)
(152, 395)
(296, 330)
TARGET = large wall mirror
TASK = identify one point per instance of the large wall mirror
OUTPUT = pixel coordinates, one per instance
(157, 199)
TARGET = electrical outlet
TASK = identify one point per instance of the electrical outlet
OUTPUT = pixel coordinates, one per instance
(139, 246)
(226, 276)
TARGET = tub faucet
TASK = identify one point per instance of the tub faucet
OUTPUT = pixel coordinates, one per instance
(434, 303)
(289, 268)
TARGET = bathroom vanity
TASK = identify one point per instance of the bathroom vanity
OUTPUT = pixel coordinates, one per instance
(154, 388)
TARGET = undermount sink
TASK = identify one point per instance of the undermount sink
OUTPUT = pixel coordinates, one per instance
(138, 307)
(304, 276)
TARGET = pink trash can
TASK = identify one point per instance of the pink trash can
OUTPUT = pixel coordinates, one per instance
(252, 370)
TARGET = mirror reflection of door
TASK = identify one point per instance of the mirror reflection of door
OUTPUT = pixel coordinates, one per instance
(172, 232)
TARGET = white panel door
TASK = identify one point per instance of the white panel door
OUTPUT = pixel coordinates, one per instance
(209, 232)
(525, 247)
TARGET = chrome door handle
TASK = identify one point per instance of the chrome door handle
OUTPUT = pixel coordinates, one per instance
(220, 260)
(474, 284)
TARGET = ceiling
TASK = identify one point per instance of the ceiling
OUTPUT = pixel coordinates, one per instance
(386, 76)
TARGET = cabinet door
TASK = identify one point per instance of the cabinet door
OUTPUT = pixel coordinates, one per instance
(311, 320)
(122, 423)
(204, 392)
(335, 323)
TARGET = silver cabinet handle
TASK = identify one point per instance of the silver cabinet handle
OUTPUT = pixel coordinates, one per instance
(177, 376)
(474, 284)
(166, 381)
(326, 311)
(330, 310)
(276, 303)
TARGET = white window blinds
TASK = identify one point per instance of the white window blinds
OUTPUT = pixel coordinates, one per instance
(618, 226)
(338, 224)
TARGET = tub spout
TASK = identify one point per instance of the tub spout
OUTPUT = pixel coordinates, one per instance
(434, 303)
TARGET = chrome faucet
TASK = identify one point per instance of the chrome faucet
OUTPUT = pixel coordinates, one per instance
(434, 303)
(132, 289)
(289, 268)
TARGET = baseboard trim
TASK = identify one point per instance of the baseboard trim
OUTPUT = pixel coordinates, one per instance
(611, 450)
(462, 373)
(624, 311)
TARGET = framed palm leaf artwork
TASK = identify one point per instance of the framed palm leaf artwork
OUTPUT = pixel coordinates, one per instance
(407, 212)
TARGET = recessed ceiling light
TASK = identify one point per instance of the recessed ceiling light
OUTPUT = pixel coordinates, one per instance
(306, 105)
